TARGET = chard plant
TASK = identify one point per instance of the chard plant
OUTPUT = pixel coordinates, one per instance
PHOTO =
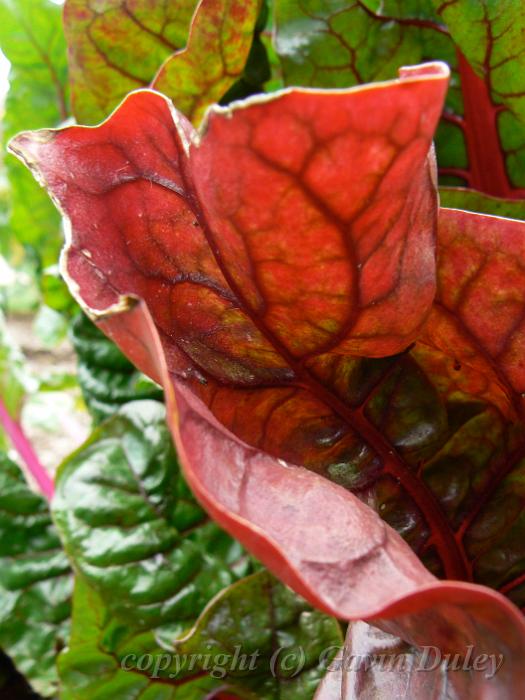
(304, 222)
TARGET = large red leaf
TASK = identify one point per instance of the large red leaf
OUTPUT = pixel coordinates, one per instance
(336, 260)
(352, 271)
(268, 265)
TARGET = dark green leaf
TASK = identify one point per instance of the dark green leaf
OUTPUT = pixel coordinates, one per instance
(94, 665)
(107, 379)
(35, 581)
(256, 637)
(132, 527)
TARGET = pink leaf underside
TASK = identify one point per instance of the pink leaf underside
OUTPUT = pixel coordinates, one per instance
(374, 664)
(315, 535)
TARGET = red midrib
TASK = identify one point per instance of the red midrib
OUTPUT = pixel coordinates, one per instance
(451, 551)
(488, 173)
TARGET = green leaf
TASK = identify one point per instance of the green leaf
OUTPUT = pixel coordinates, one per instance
(107, 379)
(284, 639)
(13, 380)
(132, 527)
(150, 562)
(55, 293)
(341, 43)
(102, 66)
(91, 668)
(490, 34)
(471, 200)
(256, 636)
(32, 39)
(35, 581)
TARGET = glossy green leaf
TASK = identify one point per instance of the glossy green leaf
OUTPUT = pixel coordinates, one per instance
(107, 379)
(256, 637)
(94, 667)
(35, 581)
(32, 39)
(275, 628)
(132, 527)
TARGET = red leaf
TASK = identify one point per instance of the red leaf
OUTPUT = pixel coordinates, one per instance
(339, 260)
(479, 313)
(267, 264)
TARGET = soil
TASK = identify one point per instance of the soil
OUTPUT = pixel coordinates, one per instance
(55, 422)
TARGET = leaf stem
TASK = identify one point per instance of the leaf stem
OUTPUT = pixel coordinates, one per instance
(26, 452)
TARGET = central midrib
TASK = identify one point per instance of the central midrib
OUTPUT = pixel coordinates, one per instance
(452, 554)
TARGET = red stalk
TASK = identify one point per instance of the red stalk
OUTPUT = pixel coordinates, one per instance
(26, 452)
(488, 172)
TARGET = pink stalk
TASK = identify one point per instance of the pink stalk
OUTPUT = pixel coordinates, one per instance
(26, 452)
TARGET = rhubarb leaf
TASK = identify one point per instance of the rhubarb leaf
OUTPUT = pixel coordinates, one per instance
(103, 68)
(251, 629)
(354, 285)
(31, 38)
(107, 379)
(132, 528)
(35, 582)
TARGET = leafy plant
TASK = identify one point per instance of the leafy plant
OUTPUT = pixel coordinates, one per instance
(341, 357)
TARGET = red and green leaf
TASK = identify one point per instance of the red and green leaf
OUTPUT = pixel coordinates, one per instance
(295, 296)
(481, 138)
(214, 58)
(116, 46)
(489, 37)
(104, 69)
